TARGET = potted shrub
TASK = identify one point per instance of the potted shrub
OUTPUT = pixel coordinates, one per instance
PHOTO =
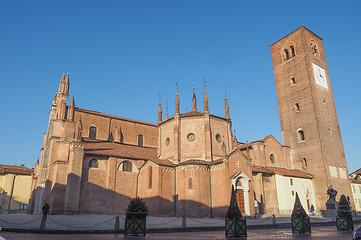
(235, 223)
(135, 219)
(300, 221)
(344, 215)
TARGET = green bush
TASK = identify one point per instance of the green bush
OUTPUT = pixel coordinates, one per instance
(343, 210)
(137, 208)
(298, 211)
(233, 210)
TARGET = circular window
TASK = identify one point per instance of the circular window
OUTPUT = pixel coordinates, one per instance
(167, 141)
(191, 137)
(272, 158)
(218, 138)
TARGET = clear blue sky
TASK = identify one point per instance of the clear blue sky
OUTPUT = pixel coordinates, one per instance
(120, 54)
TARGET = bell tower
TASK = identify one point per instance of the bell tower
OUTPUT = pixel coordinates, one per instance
(307, 112)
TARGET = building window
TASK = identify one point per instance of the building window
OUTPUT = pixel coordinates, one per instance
(286, 54)
(297, 107)
(167, 142)
(92, 132)
(291, 181)
(140, 140)
(23, 206)
(304, 162)
(191, 137)
(293, 193)
(292, 81)
(127, 166)
(301, 135)
(272, 158)
(218, 138)
(190, 184)
(292, 51)
(93, 163)
(150, 177)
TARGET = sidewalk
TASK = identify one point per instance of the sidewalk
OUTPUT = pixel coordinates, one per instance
(106, 223)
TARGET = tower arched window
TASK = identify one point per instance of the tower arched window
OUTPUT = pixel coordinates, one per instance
(286, 54)
(93, 132)
(292, 51)
(93, 163)
(292, 81)
(127, 166)
(301, 135)
(140, 140)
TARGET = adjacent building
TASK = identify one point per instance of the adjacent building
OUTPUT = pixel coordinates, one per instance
(15, 188)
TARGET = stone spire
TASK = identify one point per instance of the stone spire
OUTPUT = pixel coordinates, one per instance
(205, 98)
(71, 109)
(159, 112)
(62, 96)
(177, 102)
(66, 86)
(62, 83)
(226, 107)
(194, 99)
(167, 116)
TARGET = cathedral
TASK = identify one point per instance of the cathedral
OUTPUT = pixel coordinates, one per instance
(187, 164)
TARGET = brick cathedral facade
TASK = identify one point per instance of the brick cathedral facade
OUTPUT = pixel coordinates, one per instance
(186, 164)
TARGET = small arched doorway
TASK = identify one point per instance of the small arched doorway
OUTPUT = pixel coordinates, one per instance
(240, 182)
(240, 195)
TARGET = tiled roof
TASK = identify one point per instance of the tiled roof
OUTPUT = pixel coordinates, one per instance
(102, 148)
(115, 117)
(355, 181)
(289, 173)
(15, 169)
(200, 162)
(357, 172)
(192, 113)
(261, 169)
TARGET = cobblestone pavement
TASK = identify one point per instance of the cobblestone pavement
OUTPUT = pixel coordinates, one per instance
(329, 233)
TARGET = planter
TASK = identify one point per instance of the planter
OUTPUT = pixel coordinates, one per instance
(135, 226)
(344, 224)
(301, 225)
(236, 227)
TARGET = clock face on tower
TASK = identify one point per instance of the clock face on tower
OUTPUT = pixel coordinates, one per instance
(320, 75)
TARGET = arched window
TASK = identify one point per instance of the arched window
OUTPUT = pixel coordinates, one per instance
(304, 162)
(127, 166)
(301, 135)
(292, 51)
(150, 177)
(93, 163)
(140, 140)
(92, 132)
(314, 47)
(272, 158)
(292, 81)
(297, 107)
(286, 54)
(190, 184)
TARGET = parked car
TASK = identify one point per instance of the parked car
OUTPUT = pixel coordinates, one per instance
(357, 234)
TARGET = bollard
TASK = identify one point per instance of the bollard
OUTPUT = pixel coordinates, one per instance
(43, 222)
(274, 219)
(184, 222)
(116, 225)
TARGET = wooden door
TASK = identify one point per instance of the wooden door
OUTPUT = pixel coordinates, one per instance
(240, 199)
